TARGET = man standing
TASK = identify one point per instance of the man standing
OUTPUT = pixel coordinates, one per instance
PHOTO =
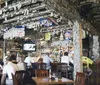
(9, 69)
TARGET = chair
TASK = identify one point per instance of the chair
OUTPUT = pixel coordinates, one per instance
(54, 67)
(62, 68)
(41, 73)
(24, 77)
(30, 72)
(20, 75)
(36, 66)
(15, 81)
(80, 78)
(42, 66)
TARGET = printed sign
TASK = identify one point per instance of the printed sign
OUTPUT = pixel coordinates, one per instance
(14, 32)
(29, 47)
(46, 22)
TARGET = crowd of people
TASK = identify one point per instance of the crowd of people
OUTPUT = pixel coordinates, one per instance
(11, 64)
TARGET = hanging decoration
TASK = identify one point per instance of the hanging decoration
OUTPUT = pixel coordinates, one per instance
(18, 31)
(68, 35)
(47, 36)
(47, 22)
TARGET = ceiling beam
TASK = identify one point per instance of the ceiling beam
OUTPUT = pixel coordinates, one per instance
(64, 8)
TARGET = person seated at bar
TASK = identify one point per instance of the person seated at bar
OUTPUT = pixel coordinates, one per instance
(66, 59)
(37, 56)
(40, 60)
(36, 60)
(29, 60)
(47, 60)
(8, 69)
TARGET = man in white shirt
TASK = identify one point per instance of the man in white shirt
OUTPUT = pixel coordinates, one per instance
(29, 60)
(47, 60)
(9, 69)
(66, 58)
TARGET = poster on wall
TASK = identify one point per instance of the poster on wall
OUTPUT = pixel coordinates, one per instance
(68, 35)
(18, 31)
(29, 47)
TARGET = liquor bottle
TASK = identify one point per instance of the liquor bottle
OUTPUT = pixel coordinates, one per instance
(61, 36)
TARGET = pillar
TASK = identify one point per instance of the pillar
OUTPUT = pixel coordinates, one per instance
(95, 49)
(77, 42)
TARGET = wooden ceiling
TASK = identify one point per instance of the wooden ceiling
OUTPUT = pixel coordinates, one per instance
(89, 10)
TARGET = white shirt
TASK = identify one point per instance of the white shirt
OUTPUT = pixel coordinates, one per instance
(10, 68)
(21, 66)
(66, 59)
(29, 60)
(47, 60)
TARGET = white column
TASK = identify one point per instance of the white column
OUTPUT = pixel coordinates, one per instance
(77, 42)
(96, 47)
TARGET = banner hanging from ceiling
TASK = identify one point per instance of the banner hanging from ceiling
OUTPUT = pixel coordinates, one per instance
(47, 22)
(18, 31)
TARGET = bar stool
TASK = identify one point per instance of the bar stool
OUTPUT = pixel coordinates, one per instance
(41, 73)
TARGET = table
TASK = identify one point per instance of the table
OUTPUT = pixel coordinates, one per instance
(47, 81)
